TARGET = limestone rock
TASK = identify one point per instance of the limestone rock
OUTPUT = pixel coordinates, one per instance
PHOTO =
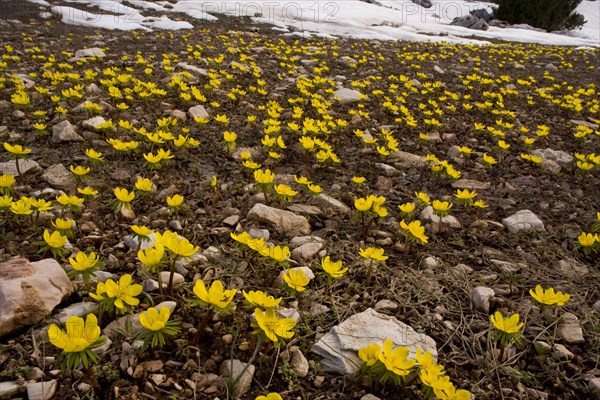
(405, 159)
(481, 297)
(78, 309)
(65, 132)
(570, 329)
(470, 184)
(197, 111)
(9, 389)
(561, 157)
(42, 390)
(25, 166)
(30, 291)
(91, 52)
(58, 176)
(572, 268)
(231, 370)
(299, 363)
(287, 222)
(339, 347)
(307, 251)
(436, 224)
(329, 202)
(346, 95)
(93, 123)
(523, 220)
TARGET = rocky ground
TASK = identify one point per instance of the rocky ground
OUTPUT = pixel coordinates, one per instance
(432, 98)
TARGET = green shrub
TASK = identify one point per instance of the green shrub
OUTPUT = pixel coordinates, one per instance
(550, 15)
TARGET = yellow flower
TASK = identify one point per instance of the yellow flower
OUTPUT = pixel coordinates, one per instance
(21, 207)
(296, 279)
(229, 137)
(465, 194)
(94, 155)
(215, 297)
(315, 189)
(509, 325)
(587, 239)
(369, 354)
(359, 180)
(152, 256)
(83, 261)
(448, 391)
(67, 200)
(465, 151)
(79, 335)
(79, 170)
(480, 204)
(16, 149)
(278, 253)
(175, 201)
(302, 180)
(489, 160)
(270, 396)
(178, 246)
(407, 208)
(63, 224)
(396, 361)
(222, 119)
(87, 191)
(334, 269)
(141, 230)
(264, 177)
(155, 320)
(144, 185)
(55, 240)
(415, 231)
(5, 201)
(373, 253)
(6, 181)
(548, 296)
(123, 292)
(422, 198)
(441, 208)
(41, 204)
(364, 204)
(261, 299)
(274, 328)
(123, 195)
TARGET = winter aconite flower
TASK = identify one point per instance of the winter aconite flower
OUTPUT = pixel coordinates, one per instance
(414, 231)
(216, 297)
(270, 396)
(77, 341)
(123, 199)
(156, 325)
(177, 245)
(549, 296)
(55, 243)
(6, 183)
(373, 253)
(274, 328)
(85, 265)
(369, 354)
(261, 299)
(395, 361)
(333, 269)
(296, 279)
(119, 296)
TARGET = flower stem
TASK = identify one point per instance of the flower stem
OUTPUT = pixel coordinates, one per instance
(172, 268)
(369, 272)
(160, 284)
(209, 314)
(89, 373)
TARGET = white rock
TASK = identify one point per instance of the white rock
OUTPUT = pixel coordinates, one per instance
(562, 352)
(25, 166)
(78, 309)
(231, 370)
(329, 202)
(385, 304)
(298, 241)
(306, 252)
(572, 268)
(10, 389)
(65, 132)
(259, 233)
(93, 123)
(430, 263)
(470, 184)
(197, 111)
(594, 386)
(339, 347)
(177, 278)
(58, 176)
(481, 297)
(287, 222)
(91, 52)
(405, 159)
(561, 157)
(192, 68)
(299, 363)
(346, 95)
(523, 220)
(30, 291)
(436, 224)
(288, 313)
(570, 329)
(42, 390)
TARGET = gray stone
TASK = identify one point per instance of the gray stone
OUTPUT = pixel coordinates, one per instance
(231, 370)
(65, 132)
(572, 268)
(551, 67)
(329, 202)
(481, 297)
(430, 263)
(306, 252)
(9, 389)
(594, 386)
(197, 111)
(570, 329)
(523, 220)
(103, 348)
(232, 220)
(298, 241)
(30, 291)
(551, 167)
(77, 309)
(405, 159)
(259, 233)
(470, 184)
(91, 52)
(436, 224)
(388, 170)
(596, 306)
(369, 397)
(385, 304)
(58, 176)
(27, 167)
(471, 22)
(299, 363)
(339, 347)
(131, 322)
(589, 124)
(563, 353)
(346, 95)
(93, 123)
(481, 13)
(561, 157)
(423, 3)
(42, 390)
(306, 209)
(192, 68)
(439, 70)
(287, 222)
